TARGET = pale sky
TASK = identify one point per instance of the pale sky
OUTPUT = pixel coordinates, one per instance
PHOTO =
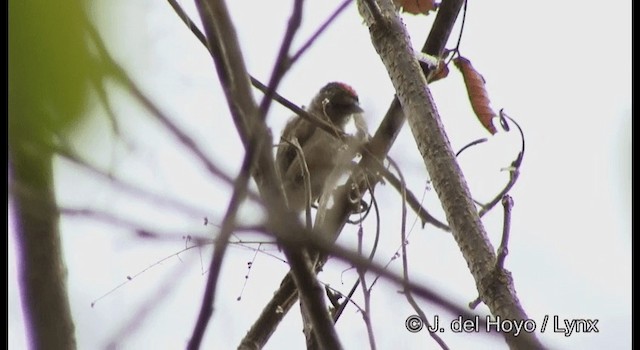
(562, 71)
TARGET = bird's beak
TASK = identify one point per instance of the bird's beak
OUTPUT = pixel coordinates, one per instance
(356, 109)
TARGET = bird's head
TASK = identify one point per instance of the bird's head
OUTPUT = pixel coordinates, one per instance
(337, 101)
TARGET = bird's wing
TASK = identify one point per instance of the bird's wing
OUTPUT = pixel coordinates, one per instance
(286, 153)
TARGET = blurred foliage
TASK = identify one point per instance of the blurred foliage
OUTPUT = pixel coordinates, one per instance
(49, 68)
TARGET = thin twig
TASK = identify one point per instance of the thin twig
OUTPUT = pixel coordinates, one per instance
(413, 202)
(119, 221)
(150, 304)
(185, 18)
(347, 297)
(374, 248)
(503, 249)
(319, 31)
(471, 144)
(184, 139)
(130, 278)
(405, 264)
(134, 190)
(99, 87)
(366, 314)
(283, 62)
(376, 240)
(514, 170)
(474, 304)
(464, 20)
(220, 247)
(307, 179)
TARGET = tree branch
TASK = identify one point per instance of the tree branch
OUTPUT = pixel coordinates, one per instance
(392, 43)
(42, 271)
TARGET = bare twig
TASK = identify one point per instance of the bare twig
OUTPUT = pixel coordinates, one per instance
(119, 221)
(337, 295)
(185, 18)
(374, 248)
(131, 278)
(99, 87)
(413, 202)
(514, 170)
(184, 139)
(149, 305)
(135, 190)
(514, 174)
(503, 249)
(249, 269)
(376, 240)
(464, 20)
(405, 265)
(283, 63)
(319, 31)
(473, 304)
(471, 144)
(228, 223)
(366, 292)
(307, 179)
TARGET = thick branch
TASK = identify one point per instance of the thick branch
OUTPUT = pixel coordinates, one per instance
(43, 274)
(392, 43)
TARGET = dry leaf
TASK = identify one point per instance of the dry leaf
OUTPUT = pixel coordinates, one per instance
(416, 7)
(477, 93)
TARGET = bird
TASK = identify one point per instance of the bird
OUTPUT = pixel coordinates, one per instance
(337, 104)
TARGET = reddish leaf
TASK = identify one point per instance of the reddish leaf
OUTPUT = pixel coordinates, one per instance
(477, 93)
(416, 7)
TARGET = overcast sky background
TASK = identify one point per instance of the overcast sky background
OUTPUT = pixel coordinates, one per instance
(563, 72)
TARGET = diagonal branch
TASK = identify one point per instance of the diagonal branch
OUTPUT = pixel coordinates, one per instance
(391, 41)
